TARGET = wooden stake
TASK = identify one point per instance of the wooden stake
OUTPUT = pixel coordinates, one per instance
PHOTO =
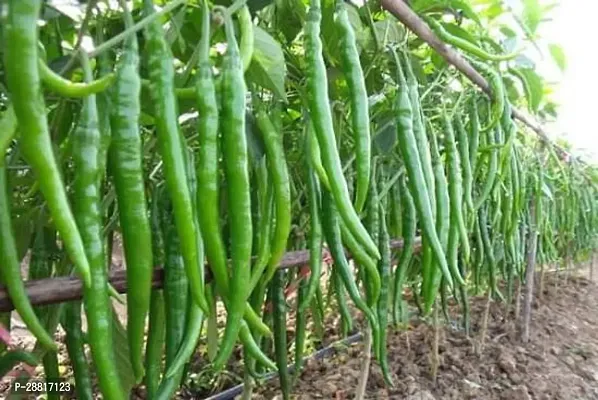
(365, 368)
(529, 272)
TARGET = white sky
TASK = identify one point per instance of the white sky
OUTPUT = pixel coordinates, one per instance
(574, 26)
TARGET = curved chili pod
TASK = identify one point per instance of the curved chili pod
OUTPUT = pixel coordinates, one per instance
(236, 170)
(277, 168)
(86, 192)
(171, 146)
(358, 97)
(323, 127)
(24, 83)
(126, 158)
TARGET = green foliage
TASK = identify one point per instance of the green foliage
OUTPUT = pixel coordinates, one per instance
(267, 68)
(558, 55)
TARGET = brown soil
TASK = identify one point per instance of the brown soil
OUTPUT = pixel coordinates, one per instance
(559, 362)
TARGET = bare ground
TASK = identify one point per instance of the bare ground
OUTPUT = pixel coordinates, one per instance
(560, 362)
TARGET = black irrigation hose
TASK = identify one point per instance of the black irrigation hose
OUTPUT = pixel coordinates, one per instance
(231, 393)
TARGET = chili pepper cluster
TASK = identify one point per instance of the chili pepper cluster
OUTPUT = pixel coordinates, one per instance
(473, 188)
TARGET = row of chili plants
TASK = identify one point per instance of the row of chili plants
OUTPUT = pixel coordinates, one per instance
(230, 189)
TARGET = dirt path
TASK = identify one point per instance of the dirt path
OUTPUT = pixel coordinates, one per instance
(560, 362)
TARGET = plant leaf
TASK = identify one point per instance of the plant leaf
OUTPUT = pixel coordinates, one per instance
(534, 87)
(558, 55)
(289, 16)
(532, 14)
(389, 31)
(546, 190)
(267, 68)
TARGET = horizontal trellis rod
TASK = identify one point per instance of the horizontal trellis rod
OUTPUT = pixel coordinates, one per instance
(401, 10)
(68, 288)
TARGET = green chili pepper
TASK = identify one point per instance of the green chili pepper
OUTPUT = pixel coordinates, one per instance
(466, 45)
(176, 291)
(86, 192)
(359, 103)
(207, 172)
(24, 83)
(126, 160)
(341, 300)
(362, 260)
(279, 322)
(474, 133)
(300, 325)
(409, 150)
(11, 268)
(464, 161)
(419, 128)
(489, 251)
(239, 200)
(155, 344)
(490, 179)
(322, 120)
(74, 346)
(330, 225)
(66, 88)
(51, 374)
(11, 358)
(431, 280)
(189, 342)
(409, 230)
(171, 146)
(455, 192)
(315, 232)
(372, 292)
(316, 155)
(277, 167)
(246, 43)
(382, 304)
(498, 94)
(8, 130)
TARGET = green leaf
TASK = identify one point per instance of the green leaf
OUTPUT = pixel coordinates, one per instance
(558, 55)
(433, 5)
(493, 11)
(534, 87)
(532, 14)
(388, 31)
(513, 86)
(267, 68)
(508, 32)
(546, 190)
(289, 16)
(467, 10)
(255, 144)
(438, 61)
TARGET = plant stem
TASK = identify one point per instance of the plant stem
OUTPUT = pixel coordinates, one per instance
(135, 28)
